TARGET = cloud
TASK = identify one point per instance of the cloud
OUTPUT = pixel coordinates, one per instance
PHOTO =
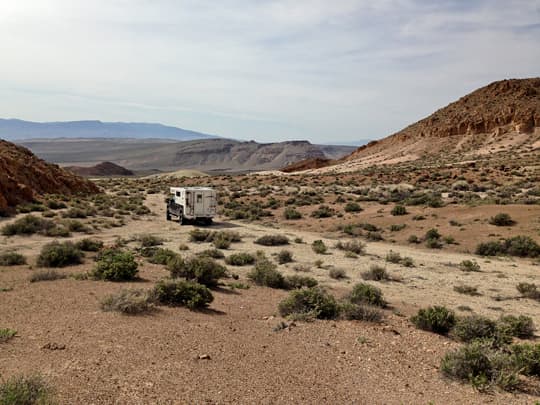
(259, 69)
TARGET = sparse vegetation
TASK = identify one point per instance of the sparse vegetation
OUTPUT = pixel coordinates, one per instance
(437, 319)
(363, 293)
(521, 246)
(182, 293)
(319, 247)
(308, 303)
(469, 265)
(529, 290)
(203, 270)
(240, 259)
(272, 240)
(360, 312)
(12, 259)
(354, 246)
(473, 327)
(89, 245)
(292, 214)
(46, 275)
(162, 256)
(297, 281)
(265, 274)
(337, 274)
(129, 302)
(284, 256)
(502, 219)
(25, 390)
(7, 334)
(399, 210)
(376, 273)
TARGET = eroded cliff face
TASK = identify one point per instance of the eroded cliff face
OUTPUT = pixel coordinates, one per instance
(24, 177)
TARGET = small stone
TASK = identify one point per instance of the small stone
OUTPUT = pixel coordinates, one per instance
(204, 357)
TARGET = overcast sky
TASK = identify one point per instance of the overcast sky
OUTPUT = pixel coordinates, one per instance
(321, 70)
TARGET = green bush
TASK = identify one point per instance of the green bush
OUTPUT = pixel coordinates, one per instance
(473, 327)
(363, 293)
(399, 210)
(519, 326)
(319, 247)
(203, 270)
(502, 219)
(522, 246)
(467, 290)
(291, 214)
(296, 281)
(353, 207)
(264, 273)
(360, 312)
(272, 240)
(182, 293)
(221, 241)
(313, 302)
(162, 256)
(432, 234)
(25, 390)
(284, 256)
(354, 246)
(7, 334)
(376, 273)
(27, 225)
(130, 302)
(12, 259)
(527, 358)
(115, 265)
(89, 245)
(148, 240)
(323, 211)
(56, 254)
(240, 259)
(437, 319)
(469, 265)
(529, 290)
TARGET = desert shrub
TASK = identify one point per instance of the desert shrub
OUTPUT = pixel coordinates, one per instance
(71, 225)
(272, 240)
(56, 254)
(354, 246)
(200, 235)
(469, 265)
(527, 358)
(203, 270)
(182, 293)
(397, 227)
(319, 247)
(27, 225)
(519, 326)
(437, 319)
(466, 289)
(337, 274)
(481, 365)
(240, 259)
(363, 293)
(46, 275)
(130, 302)
(313, 302)
(115, 265)
(399, 210)
(147, 240)
(502, 219)
(352, 207)
(25, 390)
(528, 290)
(6, 334)
(360, 312)
(56, 205)
(433, 243)
(221, 241)
(323, 211)
(291, 213)
(264, 273)
(296, 281)
(473, 327)
(377, 273)
(393, 257)
(162, 256)
(89, 245)
(374, 236)
(213, 253)
(183, 246)
(407, 261)
(413, 239)
(11, 259)
(432, 234)
(284, 256)
(522, 246)
(75, 213)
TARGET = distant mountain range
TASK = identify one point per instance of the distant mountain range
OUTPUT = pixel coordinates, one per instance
(14, 129)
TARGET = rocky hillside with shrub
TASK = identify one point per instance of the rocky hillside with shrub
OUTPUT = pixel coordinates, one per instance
(24, 178)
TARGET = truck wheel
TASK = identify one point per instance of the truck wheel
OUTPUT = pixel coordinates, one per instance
(168, 216)
(208, 221)
(180, 219)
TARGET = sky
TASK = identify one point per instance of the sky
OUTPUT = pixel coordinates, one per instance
(327, 71)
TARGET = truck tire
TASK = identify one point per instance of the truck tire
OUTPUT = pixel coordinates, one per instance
(168, 215)
(208, 221)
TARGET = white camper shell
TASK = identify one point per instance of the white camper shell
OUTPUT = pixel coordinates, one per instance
(195, 203)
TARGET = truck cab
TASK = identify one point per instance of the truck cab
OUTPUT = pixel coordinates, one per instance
(192, 203)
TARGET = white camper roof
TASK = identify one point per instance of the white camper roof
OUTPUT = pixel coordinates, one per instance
(174, 189)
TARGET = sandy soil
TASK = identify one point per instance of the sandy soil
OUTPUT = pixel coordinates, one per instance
(111, 358)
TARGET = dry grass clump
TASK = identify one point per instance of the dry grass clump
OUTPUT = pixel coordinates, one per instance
(272, 240)
(337, 274)
(376, 273)
(467, 290)
(529, 290)
(46, 275)
(12, 259)
(25, 390)
(319, 247)
(469, 265)
(129, 302)
(240, 259)
(354, 246)
(7, 334)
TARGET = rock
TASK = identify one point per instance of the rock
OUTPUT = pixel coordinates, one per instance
(204, 357)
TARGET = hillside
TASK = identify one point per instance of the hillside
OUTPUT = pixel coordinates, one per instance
(501, 117)
(13, 129)
(206, 155)
(24, 177)
(101, 169)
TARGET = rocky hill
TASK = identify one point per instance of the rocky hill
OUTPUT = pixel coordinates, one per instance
(101, 169)
(223, 155)
(501, 117)
(24, 177)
